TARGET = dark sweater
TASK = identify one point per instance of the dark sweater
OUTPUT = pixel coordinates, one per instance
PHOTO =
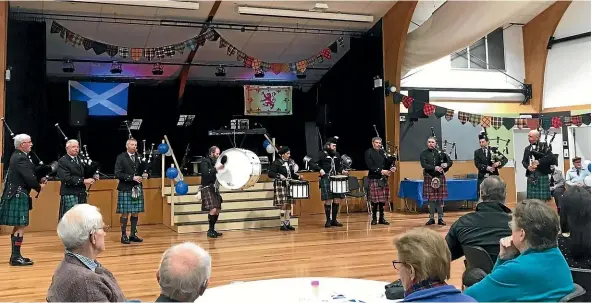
(74, 282)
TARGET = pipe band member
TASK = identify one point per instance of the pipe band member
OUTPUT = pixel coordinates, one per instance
(211, 200)
(282, 171)
(487, 160)
(380, 166)
(435, 164)
(71, 174)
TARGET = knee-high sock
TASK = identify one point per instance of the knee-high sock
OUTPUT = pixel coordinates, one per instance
(282, 217)
(134, 221)
(432, 208)
(287, 217)
(16, 245)
(335, 211)
(440, 209)
(374, 210)
(212, 221)
(123, 221)
(381, 210)
(328, 212)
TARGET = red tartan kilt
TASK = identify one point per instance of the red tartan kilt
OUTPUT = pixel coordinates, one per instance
(379, 194)
(434, 194)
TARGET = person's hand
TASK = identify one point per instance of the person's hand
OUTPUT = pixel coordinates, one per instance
(345, 172)
(535, 163)
(444, 165)
(219, 166)
(322, 172)
(89, 181)
(96, 177)
(43, 180)
(439, 169)
(385, 172)
(497, 164)
(507, 249)
(145, 175)
(531, 168)
(282, 178)
(393, 169)
(43, 184)
(138, 179)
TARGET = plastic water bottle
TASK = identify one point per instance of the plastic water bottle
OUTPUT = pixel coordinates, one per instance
(315, 289)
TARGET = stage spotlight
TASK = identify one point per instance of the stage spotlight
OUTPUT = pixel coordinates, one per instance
(157, 70)
(346, 161)
(301, 75)
(116, 68)
(220, 71)
(68, 66)
(259, 73)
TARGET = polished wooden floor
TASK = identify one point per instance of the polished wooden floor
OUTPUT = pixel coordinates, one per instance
(357, 250)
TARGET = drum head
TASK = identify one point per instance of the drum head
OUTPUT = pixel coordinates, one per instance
(237, 169)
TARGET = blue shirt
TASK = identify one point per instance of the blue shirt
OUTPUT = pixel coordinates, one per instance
(91, 264)
(444, 293)
(572, 177)
(533, 276)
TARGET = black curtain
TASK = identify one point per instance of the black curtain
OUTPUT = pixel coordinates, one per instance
(26, 106)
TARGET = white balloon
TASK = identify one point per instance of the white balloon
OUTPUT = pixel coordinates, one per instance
(270, 149)
(587, 180)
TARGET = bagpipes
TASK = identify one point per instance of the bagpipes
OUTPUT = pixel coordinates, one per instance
(437, 181)
(540, 150)
(390, 156)
(42, 170)
(496, 155)
(146, 159)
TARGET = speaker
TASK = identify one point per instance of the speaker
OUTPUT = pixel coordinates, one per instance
(420, 96)
(323, 115)
(78, 113)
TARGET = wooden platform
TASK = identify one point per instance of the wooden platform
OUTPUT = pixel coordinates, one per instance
(357, 250)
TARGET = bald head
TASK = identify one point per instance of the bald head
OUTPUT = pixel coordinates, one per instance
(533, 136)
(184, 272)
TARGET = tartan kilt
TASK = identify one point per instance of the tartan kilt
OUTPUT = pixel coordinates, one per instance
(127, 205)
(541, 190)
(68, 201)
(281, 195)
(325, 186)
(434, 194)
(379, 191)
(15, 211)
(210, 198)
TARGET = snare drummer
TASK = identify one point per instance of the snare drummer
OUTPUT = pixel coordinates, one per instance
(380, 166)
(435, 164)
(329, 164)
(282, 170)
(211, 200)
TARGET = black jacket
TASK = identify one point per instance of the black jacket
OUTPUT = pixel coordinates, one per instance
(71, 176)
(21, 175)
(545, 157)
(277, 168)
(484, 228)
(376, 160)
(126, 170)
(324, 160)
(430, 158)
(163, 298)
(482, 162)
(207, 171)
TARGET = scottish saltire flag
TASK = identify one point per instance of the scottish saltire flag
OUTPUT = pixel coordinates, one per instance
(103, 99)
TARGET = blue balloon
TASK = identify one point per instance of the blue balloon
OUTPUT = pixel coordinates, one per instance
(265, 143)
(172, 173)
(590, 167)
(163, 148)
(181, 188)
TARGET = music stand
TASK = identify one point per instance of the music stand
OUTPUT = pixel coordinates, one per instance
(185, 120)
(134, 125)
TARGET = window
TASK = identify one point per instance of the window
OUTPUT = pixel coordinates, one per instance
(487, 53)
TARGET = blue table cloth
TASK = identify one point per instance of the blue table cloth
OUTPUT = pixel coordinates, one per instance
(458, 190)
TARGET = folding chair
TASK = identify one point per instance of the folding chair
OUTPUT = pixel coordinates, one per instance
(355, 191)
(576, 294)
(477, 257)
(581, 277)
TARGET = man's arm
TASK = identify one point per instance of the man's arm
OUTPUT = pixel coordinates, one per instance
(273, 172)
(478, 164)
(25, 168)
(119, 173)
(369, 163)
(526, 158)
(453, 243)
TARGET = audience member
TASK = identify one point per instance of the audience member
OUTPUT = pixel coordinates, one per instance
(487, 225)
(471, 276)
(79, 277)
(530, 267)
(184, 273)
(424, 266)
(576, 247)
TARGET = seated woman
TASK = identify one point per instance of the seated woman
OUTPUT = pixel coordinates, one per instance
(423, 261)
(530, 267)
(79, 277)
(576, 247)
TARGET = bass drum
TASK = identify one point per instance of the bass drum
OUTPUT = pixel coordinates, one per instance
(241, 170)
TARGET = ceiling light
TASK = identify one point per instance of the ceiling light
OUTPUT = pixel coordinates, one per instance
(157, 69)
(220, 71)
(259, 73)
(274, 12)
(160, 3)
(320, 7)
(68, 66)
(301, 75)
(116, 68)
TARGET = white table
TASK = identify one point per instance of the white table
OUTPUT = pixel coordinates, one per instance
(298, 290)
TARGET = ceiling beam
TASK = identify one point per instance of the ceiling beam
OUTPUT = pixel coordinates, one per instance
(184, 74)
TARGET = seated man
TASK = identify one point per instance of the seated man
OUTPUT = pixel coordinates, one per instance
(184, 273)
(575, 176)
(79, 277)
(487, 225)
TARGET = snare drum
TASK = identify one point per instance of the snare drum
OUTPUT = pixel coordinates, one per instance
(241, 170)
(338, 184)
(299, 189)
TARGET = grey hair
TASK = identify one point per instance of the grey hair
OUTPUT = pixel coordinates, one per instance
(78, 224)
(70, 142)
(376, 139)
(493, 189)
(20, 138)
(539, 222)
(184, 271)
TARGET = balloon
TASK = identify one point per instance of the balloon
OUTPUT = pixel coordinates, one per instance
(163, 148)
(172, 173)
(590, 167)
(265, 144)
(269, 149)
(181, 188)
(587, 180)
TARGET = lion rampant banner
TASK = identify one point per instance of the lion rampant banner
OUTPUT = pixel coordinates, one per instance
(268, 100)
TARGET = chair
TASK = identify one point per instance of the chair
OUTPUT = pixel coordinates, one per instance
(477, 257)
(582, 278)
(355, 191)
(576, 294)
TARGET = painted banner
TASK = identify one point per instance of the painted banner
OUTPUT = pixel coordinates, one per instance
(268, 100)
(103, 99)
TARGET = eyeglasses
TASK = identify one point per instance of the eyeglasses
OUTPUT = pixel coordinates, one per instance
(395, 262)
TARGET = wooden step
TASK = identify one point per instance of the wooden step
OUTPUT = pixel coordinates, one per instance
(193, 189)
(226, 205)
(226, 196)
(270, 222)
(234, 214)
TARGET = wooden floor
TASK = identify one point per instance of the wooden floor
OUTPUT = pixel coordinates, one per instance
(356, 250)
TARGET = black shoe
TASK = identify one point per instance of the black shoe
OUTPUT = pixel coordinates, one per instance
(125, 239)
(327, 224)
(441, 222)
(430, 222)
(373, 222)
(135, 238)
(283, 227)
(335, 223)
(290, 227)
(383, 222)
(212, 234)
(20, 261)
(219, 234)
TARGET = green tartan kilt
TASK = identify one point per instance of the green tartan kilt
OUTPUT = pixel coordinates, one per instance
(67, 202)
(15, 211)
(541, 190)
(127, 205)
(325, 186)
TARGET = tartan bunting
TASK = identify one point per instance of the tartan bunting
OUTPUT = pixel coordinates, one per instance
(248, 61)
(159, 52)
(333, 47)
(407, 101)
(87, 44)
(586, 119)
(485, 121)
(112, 50)
(191, 44)
(496, 122)
(98, 47)
(576, 120)
(532, 123)
(137, 53)
(240, 56)
(320, 59)
(475, 119)
(440, 112)
(149, 53)
(567, 121)
(449, 114)
(223, 43)
(256, 64)
(277, 68)
(429, 109)
(556, 122)
(398, 98)
(169, 50)
(520, 123)
(55, 28)
(123, 52)
(326, 53)
(231, 50)
(545, 122)
(179, 47)
(508, 123)
(463, 117)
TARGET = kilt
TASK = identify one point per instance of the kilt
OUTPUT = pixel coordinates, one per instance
(434, 194)
(210, 198)
(128, 205)
(281, 195)
(68, 201)
(15, 211)
(325, 186)
(379, 191)
(541, 190)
